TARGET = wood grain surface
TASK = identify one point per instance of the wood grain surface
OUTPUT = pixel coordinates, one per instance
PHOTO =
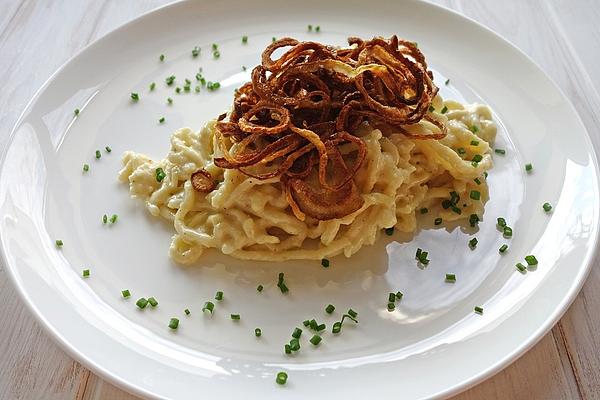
(561, 36)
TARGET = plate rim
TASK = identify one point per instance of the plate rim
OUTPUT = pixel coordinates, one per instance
(567, 299)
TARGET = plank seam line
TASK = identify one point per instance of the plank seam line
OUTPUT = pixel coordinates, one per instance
(563, 339)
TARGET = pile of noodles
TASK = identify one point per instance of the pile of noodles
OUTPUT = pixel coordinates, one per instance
(291, 119)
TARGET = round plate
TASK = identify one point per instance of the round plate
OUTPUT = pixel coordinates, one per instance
(432, 345)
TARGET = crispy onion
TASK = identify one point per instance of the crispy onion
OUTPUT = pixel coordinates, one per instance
(202, 181)
(290, 119)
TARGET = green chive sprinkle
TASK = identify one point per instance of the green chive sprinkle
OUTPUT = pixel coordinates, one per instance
(208, 306)
(257, 332)
(108, 149)
(76, 112)
(197, 89)
(531, 260)
(352, 313)
(330, 308)
(281, 284)
(337, 327)
(431, 109)
(473, 243)
(437, 221)
(477, 181)
(59, 243)
(391, 297)
(152, 86)
(500, 151)
(113, 218)
(216, 54)
(474, 143)
(423, 210)
(281, 378)
(161, 120)
(244, 68)
(447, 81)
(348, 316)
(501, 222)
(104, 219)
(507, 232)
(177, 90)
(528, 167)
(444, 110)
(160, 174)
(450, 278)
(126, 293)
(187, 311)
(306, 323)
(141, 303)
(273, 39)
(310, 28)
(259, 288)
(521, 267)
(321, 327)
(174, 323)
(98, 154)
(317, 28)
(86, 167)
(152, 301)
(473, 220)
(169, 100)
(474, 129)
(135, 96)
(391, 307)
(503, 248)
(287, 349)
(313, 324)
(389, 231)
(187, 88)
(546, 206)
(219, 296)
(315, 340)
(399, 295)
(475, 195)
(170, 80)
(325, 263)
(461, 151)
(85, 273)
(235, 317)
(297, 333)
(294, 345)
(479, 310)
(161, 57)
(477, 158)
(244, 39)
(195, 51)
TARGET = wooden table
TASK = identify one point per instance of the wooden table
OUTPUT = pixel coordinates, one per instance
(563, 37)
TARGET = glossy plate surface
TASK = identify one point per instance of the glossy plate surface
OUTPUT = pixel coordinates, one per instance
(432, 345)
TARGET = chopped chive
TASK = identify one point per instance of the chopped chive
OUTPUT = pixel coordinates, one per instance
(475, 195)
(473, 243)
(215, 46)
(177, 90)
(446, 204)
(321, 327)
(141, 303)
(235, 317)
(195, 51)
(451, 278)
(473, 220)
(306, 323)
(391, 297)
(352, 313)
(500, 151)
(317, 28)
(477, 158)
(161, 120)
(507, 232)
(86, 167)
(98, 154)
(108, 149)
(478, 310)
(531, 260)
(477, 181)
(474, 142)
(113, 218)
(503, 248)
(76, 112)
(197, 89)
(161, 57)
(447, 81)
(169, 100)
(348, 316)
(423, 210)
(126, 293)
(418, 253)
(282, 286)
(244, 39)
(310, 28)
(281, 378)
(160, 174)
(461, 151)
(152, 301)
(547, 207)
(59, 243)
(501, 222)
(208, 306)
(399, 295)
(216, 54)
(152, 86)
(521, 267)
(104, 219)
(294, 345)
(219, 296)
(297, 333)
(174, 323)
(187, 88)
(528, 167)
(134, 96)
(437, 221)
(431, 109)
(257, 332)
(389, 231)
(337, 327)
(273, 39)
(485, 174)
(313, 324)
(170, 80)
(330, 308)
(444, 110)
(259, 288)
(187, 311)
(244, 68)
(315, 340)
(325, 263)
(85, 273)
(287, 349)
(474, 129)
(391, 307)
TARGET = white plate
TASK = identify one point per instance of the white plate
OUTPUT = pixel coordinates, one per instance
(433, 345)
